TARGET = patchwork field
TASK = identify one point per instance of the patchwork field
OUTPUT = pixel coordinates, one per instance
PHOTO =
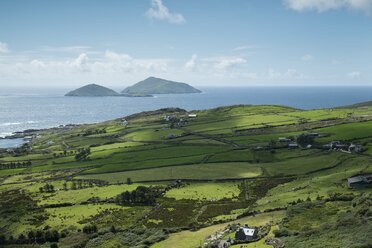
(188, 182)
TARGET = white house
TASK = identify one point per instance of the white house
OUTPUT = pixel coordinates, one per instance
(125, 123)
(246, 233)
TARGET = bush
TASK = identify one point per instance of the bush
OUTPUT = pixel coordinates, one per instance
(284, 232)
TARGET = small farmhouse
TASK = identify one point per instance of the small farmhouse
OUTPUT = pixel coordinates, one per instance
(284, 139)
(313, 134)
(355, 148)
(246, 234)
(171, 136)
(362, 181)
(192, 115)
(293, 146)
(125, 123)
(168, 118)
(337, 145)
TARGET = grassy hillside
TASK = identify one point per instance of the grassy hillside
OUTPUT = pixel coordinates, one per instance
(176, 182)
(92, 90)
(154, 85)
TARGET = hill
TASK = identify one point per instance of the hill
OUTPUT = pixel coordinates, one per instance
(93, 90)
(173, 178)
(154, 85)
(359, 105)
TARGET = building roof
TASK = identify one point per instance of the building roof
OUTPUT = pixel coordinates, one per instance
(357, 179)
(248, 231)
(293, 145)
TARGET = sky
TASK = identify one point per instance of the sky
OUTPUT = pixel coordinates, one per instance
(50, 43)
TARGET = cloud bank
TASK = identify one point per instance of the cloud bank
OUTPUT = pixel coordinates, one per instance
(326, 5)
(4, 48)
(160, 12)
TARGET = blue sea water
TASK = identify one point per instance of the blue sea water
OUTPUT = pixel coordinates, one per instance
(20, 111)
(11, 143)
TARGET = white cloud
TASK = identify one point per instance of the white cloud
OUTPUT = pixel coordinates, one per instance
(81, 62)
(290, 73)
(4, 48)
(325, 5)
(108, 67)
(354, 74)
(307, 57)
(225, 63)
(117, 56)
(242, 48)
(191, 64)
(67, 49)
(159, 11)
(293, 73)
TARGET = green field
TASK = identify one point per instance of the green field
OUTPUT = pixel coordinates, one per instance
(197, 171)
(158, 183)
(203, 191)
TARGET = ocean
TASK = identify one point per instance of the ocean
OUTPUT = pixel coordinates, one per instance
(25, 110)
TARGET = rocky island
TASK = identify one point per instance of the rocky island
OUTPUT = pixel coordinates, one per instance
(145, 88)
(93, 90)
(153, 85)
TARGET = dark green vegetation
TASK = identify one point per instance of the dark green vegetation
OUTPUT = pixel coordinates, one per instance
(166, 178)
(154, 85)
(92, 90)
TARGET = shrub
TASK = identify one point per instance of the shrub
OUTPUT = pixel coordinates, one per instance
(283, 232)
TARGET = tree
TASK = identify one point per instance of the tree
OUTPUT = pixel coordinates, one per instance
(31, 236)
(2, 239)
(48, 235)
(73, 185)
(82, 154)
(21, 238)
(113, 229)
(90, 229)
(304, 140)
(54, 236)
(39, 236)
(80, 184)
(11, 239)
(129, 181)
(65, 185)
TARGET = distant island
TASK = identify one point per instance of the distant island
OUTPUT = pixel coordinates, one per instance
(145, 88)
(93, 90)
(153, 85)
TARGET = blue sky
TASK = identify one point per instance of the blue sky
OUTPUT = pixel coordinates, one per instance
(205, 43)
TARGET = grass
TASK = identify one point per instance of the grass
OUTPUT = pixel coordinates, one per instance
(240, 122)
(196, 171)
(303, 165)
(320, 114)
(205, 191)
(348, 131)
(189, 239)
(231, 156)
(65, 217)
(81, 195)
(321, 184)
(219, 147)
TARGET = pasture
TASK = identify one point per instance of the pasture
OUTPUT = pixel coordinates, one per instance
(183, 181)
